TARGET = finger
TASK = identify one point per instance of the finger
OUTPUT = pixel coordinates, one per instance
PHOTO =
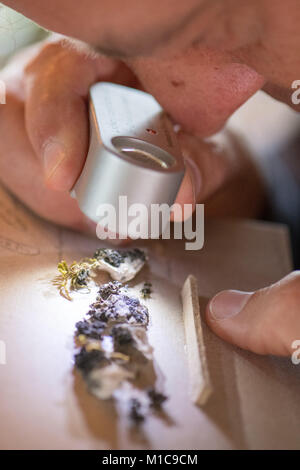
(26, 179)
(57, 85)
(210, 164)
(265, 322)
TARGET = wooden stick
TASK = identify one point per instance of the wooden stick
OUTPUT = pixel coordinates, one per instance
(200, 384)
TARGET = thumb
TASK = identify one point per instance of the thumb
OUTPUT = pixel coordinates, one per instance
(57, 84)
(210, 164)
(264, 322)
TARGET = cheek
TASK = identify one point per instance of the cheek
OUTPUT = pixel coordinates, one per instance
(199, 92)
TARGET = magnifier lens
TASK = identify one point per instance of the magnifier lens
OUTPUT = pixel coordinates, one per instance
(150, 160)
(140, 151)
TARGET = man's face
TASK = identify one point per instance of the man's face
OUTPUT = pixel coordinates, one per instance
(117, 27)
(201, 59)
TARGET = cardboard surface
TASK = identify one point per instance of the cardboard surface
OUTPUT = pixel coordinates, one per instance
(44, 404)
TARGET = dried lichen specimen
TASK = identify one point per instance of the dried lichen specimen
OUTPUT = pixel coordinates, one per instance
(114, 348)
(146, 290)
(120, 264)
(75, 276)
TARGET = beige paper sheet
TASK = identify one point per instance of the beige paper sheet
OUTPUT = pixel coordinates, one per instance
(44, 405)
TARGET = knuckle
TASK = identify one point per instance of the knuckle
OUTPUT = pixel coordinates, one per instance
(257, 335)
(46, 52)
(281, 296)
(289, 291)
(278, 307)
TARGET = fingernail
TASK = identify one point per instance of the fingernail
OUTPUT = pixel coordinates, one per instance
(195, 176)
(185, 201)
(54, 154)
(228, 303)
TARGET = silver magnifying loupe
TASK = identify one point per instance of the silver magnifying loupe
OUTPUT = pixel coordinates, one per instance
(133, 153)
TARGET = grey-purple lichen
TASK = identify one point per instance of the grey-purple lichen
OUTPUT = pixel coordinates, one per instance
(114, 348)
